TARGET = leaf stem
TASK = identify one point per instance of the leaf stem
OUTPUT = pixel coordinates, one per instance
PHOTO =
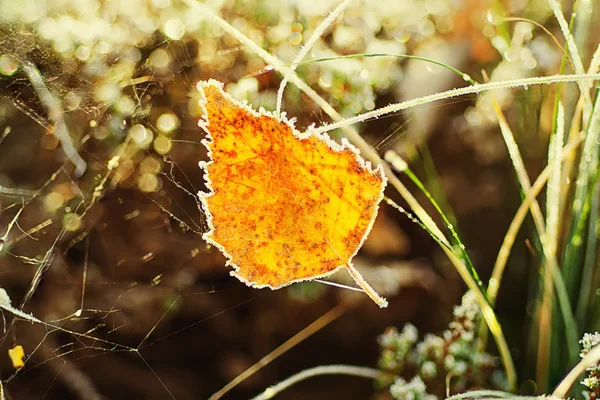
(360, 281)
(316, 326)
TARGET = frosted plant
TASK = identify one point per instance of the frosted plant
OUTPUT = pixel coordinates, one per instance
(592, 381)
(413, 390)
(430, 361)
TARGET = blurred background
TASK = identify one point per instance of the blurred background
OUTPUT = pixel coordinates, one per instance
(122, 241)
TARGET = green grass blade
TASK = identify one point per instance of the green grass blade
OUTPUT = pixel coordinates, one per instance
(583, 18)
(435, 187)
(457, 242)
(459, 263)
(414, 219)
(548, 315)
(588, 164)
(550, 257)
(587, 277)
(463, 75)
(513, 230)
(397, 162)
(553, 202)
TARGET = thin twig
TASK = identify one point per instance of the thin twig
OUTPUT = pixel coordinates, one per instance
(542, 27)
(316, 326)
(326, 23)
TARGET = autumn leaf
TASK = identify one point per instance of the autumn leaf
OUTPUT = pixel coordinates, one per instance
(283, 206)
(17, 354)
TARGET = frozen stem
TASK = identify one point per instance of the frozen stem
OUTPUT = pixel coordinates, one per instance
(360, 281)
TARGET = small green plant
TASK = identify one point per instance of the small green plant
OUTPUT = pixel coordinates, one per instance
(415, 389)
(592, 381)
(435, 361)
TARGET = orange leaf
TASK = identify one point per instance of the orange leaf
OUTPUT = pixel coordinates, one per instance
(283, 206)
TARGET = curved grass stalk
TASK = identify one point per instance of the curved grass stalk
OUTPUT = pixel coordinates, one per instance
(351, 370)
(494, 395)
(457, 71)
(486, 310)
(372, 155)
(326, 23)
(547, 32)
(316, 326)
